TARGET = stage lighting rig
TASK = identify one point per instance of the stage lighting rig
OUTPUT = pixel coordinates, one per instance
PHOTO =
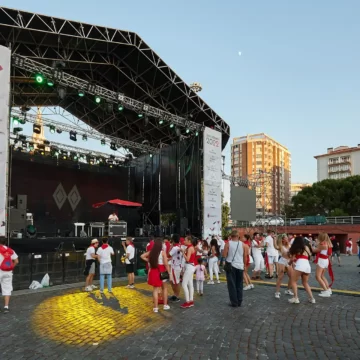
(52, 129)
(39, 78)
(59, 131)
(81, 93)
(120, 107)
(37, 129)
(113, 146)
(103, 142)
(50, 83)
(72, 135)
(97, 99)
(84, 137)
(16, 120)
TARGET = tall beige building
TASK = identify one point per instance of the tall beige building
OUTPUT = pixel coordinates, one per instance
(297, 187)
(266, 162)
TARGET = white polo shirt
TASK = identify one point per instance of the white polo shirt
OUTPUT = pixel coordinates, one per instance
(105, 254)
(130, 249)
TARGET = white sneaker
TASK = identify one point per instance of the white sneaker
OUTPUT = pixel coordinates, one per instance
(247, 288)
(211, 282)
(166, 307)
(88, 289)
(277, 295)
(294, 301)
(289, 292)
(252, 286)
(218, 282)
(312, 301)
(93, 287)
(328, 290)
(155, 310)
(325, 294)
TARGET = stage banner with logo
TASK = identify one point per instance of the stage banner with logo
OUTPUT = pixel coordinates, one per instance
(5, 56)
(212, 184)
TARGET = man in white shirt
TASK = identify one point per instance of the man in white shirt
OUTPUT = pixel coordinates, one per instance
(8, 261)
(176, 267)
(113, 217)
(104, 254)
(90, 260)
(130, 261)
(271, 252)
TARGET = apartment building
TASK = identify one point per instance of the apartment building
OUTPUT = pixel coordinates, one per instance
(338, 163)
(263, 160)
(297, 187)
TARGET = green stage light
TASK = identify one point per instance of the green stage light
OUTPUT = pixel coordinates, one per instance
(197, 133)
(171, 126)
(81, 93)
(121, 108)
(52, 129)
(98, 99)
(161, 122)
(140, 116)
(187, 131)
(16, 120)
(50, 83)
(39, 78)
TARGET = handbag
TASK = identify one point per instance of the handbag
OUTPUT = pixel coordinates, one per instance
(164, 276)
(228, 265)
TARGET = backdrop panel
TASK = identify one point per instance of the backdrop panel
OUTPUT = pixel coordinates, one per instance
(243, 204)
(5, 56)
(212, 183)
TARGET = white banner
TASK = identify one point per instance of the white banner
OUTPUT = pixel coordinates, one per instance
(212, 184)
(5, 56)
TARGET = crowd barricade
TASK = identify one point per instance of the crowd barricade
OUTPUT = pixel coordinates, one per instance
(65, 267)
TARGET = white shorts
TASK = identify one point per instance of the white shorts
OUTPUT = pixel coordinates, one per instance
(251, 260)
(175, 276)
(349, 249)
(283, 261)
(6, 278)
(271, 259)
(276, 260)
(323, 263)
(303, 265)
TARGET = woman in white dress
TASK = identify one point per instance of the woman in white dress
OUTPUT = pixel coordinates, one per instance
(299, 255)
(282, 246)
(256, 246)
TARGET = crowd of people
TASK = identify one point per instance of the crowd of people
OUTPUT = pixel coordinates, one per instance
(178, 260)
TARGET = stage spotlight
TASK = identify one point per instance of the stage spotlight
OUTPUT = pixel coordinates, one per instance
(17, 130)
(120, 107)
(84, 137)
(113, 146)
(31, 146)
(39, 78)
(146, 121)
(103, 142)
(187, 131)
(74, 156)
(161, 121)
(81, 93)
(23, 120)
(37, 129)
(59, 131)
(172, 126)
(151, 155)
(140, 116)
(46, 142)
(73, 135)
(16, 120)
(52, 129)
(61, 93)
(64, 154)
(50, 83)
(98, 99)
(196, 133)
(54, 151)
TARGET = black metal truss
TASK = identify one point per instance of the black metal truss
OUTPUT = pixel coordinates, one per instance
(17, 142)
(70, 81)
(91, 133)
(117, 60)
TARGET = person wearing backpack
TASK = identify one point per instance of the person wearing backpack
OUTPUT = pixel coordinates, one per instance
(8, 261)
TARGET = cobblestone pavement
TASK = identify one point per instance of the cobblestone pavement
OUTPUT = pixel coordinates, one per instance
(347, 276)
(70, 324)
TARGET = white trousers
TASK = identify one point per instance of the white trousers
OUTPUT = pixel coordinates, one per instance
(213, 268)
(200, 286)
(259, 262)
(188, 282)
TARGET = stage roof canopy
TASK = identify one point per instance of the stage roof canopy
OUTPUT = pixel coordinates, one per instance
(117, 60)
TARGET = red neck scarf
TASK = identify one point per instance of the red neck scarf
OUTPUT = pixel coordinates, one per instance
(131, 244)
(104, 246)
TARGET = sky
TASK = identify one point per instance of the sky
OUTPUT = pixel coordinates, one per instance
(297, 78)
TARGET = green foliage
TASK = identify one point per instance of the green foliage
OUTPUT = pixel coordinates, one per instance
(328, 198)
(225, 211)
(168, 219)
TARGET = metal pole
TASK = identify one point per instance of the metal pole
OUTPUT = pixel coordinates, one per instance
(159, 200)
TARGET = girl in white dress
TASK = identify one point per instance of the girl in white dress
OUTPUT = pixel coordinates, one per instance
(256, 246)
(282, 246)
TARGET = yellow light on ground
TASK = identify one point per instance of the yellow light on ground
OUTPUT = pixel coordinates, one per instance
(85, 319)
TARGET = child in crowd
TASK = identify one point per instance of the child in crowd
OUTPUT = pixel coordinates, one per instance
(200, 273)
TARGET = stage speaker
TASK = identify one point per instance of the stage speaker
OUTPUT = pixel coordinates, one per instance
(21, 202)
(139, 232)
(17, 220)
(181, 223)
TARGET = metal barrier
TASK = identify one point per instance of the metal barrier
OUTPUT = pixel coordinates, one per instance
(66, 267)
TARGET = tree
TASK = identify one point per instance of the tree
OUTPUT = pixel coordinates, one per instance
(328, 198)
(225, 211)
